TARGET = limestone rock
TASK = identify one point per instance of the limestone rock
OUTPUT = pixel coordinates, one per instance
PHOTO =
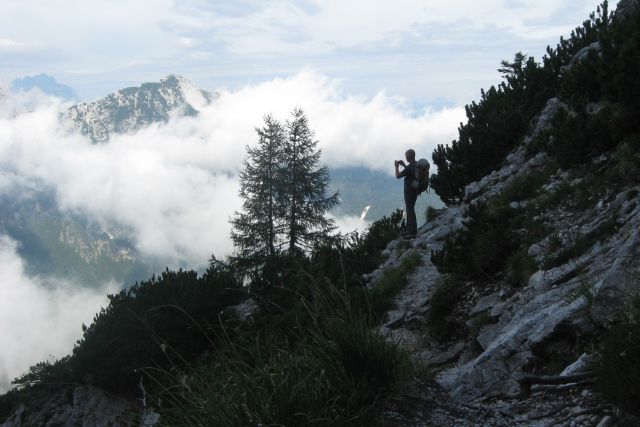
(486, 303)
(611, 293)
(583, 364)
(554, 105)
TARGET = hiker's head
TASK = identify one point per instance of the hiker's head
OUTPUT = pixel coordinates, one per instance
(410, 154)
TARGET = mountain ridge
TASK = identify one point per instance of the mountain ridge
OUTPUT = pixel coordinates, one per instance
(132, 108)
(47, 84)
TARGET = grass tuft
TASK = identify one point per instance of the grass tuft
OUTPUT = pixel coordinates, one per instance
(332, 370)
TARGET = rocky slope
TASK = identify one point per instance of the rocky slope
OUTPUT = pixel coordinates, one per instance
(518, 332)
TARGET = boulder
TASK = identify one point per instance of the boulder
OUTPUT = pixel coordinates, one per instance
(507, 347)
(486, 303)
(582, 55)
(546, 116)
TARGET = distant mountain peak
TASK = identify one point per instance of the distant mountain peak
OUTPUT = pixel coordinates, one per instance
(46, 84)
(132, 108)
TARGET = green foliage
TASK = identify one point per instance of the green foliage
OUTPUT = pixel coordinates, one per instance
(602, 91)
(346, 259)
(520, 266)
(46, 372)
(327, 366)
(585, 291)
(165, 321)
(477, 322)
(283, 192)
(431, 213)
(618, 373)
(576, 137)
(525, 187)
(445, 296)
(393, 280)
(482, 248)
(625, 164)
(303, 196)
(502, 116)
(256, 232)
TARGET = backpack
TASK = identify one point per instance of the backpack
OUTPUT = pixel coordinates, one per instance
(421, 183)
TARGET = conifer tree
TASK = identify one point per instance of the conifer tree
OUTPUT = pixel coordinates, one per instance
(284, 195)
(304, 194)
(257, 230)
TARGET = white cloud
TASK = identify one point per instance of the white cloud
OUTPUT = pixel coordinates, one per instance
(176, 185)
(321, 26)
(40, 317)
(13, 46)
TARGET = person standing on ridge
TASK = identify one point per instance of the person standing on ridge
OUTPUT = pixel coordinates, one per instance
(410, 191)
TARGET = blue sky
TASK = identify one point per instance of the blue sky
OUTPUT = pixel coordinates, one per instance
(437, 53)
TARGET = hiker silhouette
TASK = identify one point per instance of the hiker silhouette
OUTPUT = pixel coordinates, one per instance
(410, 193)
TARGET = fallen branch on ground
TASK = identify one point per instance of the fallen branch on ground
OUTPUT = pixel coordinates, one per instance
(526, 381)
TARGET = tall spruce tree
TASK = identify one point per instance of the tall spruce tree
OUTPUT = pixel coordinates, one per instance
(257, 230)
(304, 193)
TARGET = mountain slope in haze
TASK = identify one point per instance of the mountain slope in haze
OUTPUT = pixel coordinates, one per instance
(360, 187)
(72, 245)
(61, 244)
(46, 84)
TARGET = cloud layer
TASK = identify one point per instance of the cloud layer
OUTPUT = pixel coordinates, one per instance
(176, 185)
(41, 318)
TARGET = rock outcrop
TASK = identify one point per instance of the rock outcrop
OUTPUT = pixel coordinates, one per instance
(520, 323)
(132, 108)
(516, 328)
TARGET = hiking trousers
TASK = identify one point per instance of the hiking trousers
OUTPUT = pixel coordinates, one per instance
(410, 197)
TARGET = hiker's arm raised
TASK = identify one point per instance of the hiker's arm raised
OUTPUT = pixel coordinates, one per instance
(397, 163)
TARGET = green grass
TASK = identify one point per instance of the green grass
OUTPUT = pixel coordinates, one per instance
(443, 301)
(431, 213)
(331, 370)
(585, 290)
(525, 187)
(520, 266)
(618, 372)
(477, 322)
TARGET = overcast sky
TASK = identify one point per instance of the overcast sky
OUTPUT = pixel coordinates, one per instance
(430, 52)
